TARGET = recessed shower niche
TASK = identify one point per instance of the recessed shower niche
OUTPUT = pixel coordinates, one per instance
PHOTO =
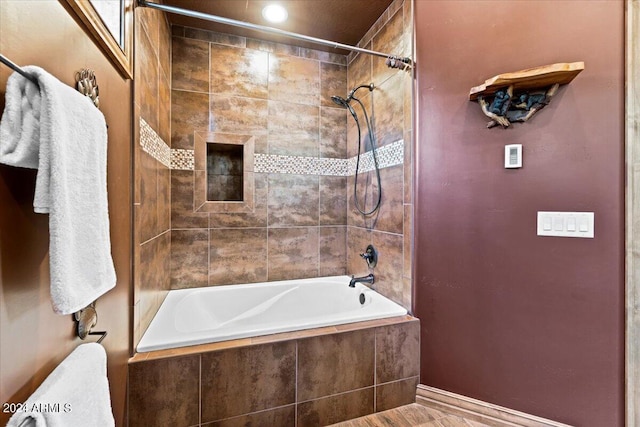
(223, 172)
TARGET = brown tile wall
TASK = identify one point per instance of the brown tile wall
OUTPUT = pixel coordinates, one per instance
(224, 172)
(317, 377)
(280, 95)
(152, 193)
(390, 104)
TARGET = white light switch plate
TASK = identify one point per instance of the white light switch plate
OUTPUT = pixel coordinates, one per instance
(513, 156)
(566, 224)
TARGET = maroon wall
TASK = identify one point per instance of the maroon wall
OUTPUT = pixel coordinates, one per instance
(531, 323)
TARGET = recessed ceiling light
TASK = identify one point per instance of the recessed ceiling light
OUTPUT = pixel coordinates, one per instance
(275, 13)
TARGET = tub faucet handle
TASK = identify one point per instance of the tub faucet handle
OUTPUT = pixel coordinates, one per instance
(370, 256)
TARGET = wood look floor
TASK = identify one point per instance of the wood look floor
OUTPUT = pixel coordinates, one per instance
(413, 415)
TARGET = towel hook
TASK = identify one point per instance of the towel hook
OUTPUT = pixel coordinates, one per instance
(87, 85)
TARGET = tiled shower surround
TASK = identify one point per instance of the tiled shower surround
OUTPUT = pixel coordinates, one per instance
(234, 85)
(152, 174)
(307, 378)
(303, 223)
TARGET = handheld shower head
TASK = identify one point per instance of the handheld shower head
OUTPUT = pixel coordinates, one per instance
(340, 101)
(346, 103)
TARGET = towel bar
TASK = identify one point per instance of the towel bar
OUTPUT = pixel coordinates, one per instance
(82, 77)
(102, 334)
(6, 61)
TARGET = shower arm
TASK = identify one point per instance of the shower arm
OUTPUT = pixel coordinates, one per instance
(351, 94)
(393, 61)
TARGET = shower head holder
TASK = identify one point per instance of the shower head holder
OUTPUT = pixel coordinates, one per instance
(344, 102)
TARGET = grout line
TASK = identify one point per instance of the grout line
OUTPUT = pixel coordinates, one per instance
(342, 393)
(369, 230)
(189, 90)
(400, 380)
(268, 114)
(268, 228)
(209, 67)
(190, 229)
(193, 186)
(228, 228)
(375, 368)
(155, 237)
(209, 117)
(375, 358)
(251, 413)
(318, 225)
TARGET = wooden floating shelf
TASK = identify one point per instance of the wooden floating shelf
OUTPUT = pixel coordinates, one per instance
(517, 96)
(532, 78)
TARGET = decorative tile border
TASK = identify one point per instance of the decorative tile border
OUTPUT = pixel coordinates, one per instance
(389, 155)
(152, 144)
(173, 158)
(267, 163)
(182, 159)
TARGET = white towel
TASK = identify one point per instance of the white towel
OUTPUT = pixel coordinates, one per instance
(76, 393)
(62, 133)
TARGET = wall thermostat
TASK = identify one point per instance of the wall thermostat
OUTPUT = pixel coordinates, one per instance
(513, 156)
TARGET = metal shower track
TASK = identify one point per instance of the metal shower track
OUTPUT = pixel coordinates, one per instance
(394, 61)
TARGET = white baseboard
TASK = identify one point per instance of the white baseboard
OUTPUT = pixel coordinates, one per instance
(478, 410)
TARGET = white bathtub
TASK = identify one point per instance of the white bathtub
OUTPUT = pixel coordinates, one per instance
(219, 313)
